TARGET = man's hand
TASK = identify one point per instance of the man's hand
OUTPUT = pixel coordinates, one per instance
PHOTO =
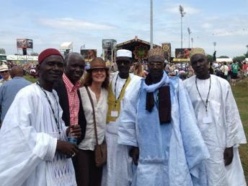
(74, 130)
(228, 156)
(134, 154)
(66, 148)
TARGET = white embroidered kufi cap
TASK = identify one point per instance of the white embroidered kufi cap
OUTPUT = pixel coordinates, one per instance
(124, 53)
(195, 51)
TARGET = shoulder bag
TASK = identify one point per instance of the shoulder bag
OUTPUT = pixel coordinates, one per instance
(100, 149)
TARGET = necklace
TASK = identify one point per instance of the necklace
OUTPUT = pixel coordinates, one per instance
(209, 88)
(121, 88)
(50, 104)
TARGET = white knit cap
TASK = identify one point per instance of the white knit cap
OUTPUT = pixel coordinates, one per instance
(124, 53)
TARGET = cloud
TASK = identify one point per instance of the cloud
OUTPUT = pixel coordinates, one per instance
(225, 32)
(74, 24)
(207, 25)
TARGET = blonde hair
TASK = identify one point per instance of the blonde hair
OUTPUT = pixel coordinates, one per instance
(138, 69)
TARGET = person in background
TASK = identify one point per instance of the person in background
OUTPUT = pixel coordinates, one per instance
(96, 81)
(70, 100)
(157, 122)
(118, 170)
(4, 72)
(138, 70)
(245, 69)
(218, 120)
(211, 69)
(224, 69)
(234, 70)
(33, 137)
(9, 89)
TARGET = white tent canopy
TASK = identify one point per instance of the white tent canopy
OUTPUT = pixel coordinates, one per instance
(21, 58)
(222, 60)
(66, 46)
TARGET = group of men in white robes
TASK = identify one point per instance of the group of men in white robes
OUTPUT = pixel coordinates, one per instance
(161, 131)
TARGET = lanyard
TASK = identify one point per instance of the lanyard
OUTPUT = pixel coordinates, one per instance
(206, 102)
(121, 88)
(50, 104)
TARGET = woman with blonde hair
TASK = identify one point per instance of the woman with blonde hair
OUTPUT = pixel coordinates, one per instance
(138, 70)
(96, 89)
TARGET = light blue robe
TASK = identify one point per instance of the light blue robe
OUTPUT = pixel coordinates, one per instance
(170, 154)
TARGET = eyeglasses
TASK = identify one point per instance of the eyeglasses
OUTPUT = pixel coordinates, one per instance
(98, 70)
(123, 62)
(156, 64)
(4, 71)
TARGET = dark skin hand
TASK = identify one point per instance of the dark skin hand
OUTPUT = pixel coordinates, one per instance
(75, 130)
(228, 156)
(68, 148)
(134, 154)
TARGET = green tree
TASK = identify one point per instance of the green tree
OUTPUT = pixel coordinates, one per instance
(239, 59)
(223, 57)
(210, 58)
(2, 51)
(34, 54)
(246, 54)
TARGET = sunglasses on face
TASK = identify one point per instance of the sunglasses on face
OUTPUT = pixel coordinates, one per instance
(156, 64)
(123, 62)
(98, 70)
(4, 71)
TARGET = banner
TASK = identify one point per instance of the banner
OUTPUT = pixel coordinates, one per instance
(88, 54)
(108, 43)
(24, 43)
(183, 53)
(167, 51)
(141, 52)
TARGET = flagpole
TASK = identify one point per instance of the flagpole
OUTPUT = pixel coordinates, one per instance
(151, 25)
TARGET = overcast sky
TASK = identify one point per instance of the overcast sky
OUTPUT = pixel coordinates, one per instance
(86, 22)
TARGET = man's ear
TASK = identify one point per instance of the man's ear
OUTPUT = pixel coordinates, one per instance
(37, 69)
(64, 67)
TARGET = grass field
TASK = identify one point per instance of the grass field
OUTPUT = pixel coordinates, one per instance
(240, 92)
(30, 78)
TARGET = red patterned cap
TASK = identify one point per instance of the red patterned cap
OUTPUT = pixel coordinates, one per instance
(48, 52)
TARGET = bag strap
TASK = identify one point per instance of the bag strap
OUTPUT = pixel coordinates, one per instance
(94, 116)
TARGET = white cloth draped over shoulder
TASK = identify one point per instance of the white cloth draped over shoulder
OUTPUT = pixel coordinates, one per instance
(28, 140)
(171, 153)
(223, 130)
(118, 170)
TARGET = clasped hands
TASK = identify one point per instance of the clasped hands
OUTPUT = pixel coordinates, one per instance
(67, 148)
